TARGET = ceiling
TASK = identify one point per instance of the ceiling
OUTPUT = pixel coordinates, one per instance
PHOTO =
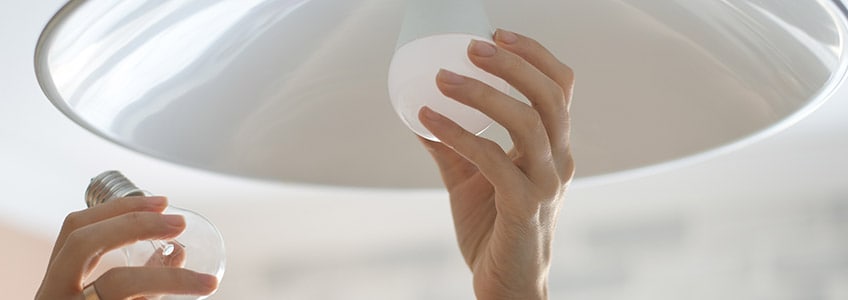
(766, 221)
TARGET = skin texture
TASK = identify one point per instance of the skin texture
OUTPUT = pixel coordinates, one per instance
(505, 204)
(86, 235)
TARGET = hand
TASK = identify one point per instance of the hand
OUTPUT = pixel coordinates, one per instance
(505, 205)
(88, 234)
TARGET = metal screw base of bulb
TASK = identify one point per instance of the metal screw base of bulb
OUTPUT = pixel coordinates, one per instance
(108, 186)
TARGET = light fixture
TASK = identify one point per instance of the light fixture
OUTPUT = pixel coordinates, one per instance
(199, 247)
(295, 91)
(435, 35)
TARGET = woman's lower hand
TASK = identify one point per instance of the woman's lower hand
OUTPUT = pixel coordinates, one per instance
(88, 234)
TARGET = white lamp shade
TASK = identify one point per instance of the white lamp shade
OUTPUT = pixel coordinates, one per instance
(295, 90)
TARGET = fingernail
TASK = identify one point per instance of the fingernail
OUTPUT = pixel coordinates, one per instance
(449, 77)
(208, 281)
(430, 114)
(506, 37)
(156, 200)
(482, 49)
(174, 220)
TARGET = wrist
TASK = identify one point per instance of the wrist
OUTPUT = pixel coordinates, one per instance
(532, 294)
(517, 287)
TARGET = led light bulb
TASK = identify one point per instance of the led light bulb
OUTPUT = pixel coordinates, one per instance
(199, 247)
(435, 35)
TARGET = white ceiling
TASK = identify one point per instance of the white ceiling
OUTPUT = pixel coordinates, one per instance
(767, 221)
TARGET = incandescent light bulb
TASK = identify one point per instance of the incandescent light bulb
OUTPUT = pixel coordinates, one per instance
(199, 247)
(435, 35)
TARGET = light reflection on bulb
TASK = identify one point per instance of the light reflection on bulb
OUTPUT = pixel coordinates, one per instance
(412, 81)
(199, 247)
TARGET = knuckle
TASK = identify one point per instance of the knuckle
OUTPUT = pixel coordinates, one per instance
(534, 43)
(453, 136)
(113, 277)
(530, 45)
(73, 221)
(567, 70)
(142, 220)
(490, 146)
(455, 132)
(556, 91)
(480, 152)
(136, 218)
(553, 186)
(512, 63)
(474, 93)
(530, 126)
(548, 191)
(78, 238)
(129, 203)
(118, 279)
(531, 120)
(484, 91)
(549, 182)
(548, 185)
(567, 171)
(566, 79)
(181, 277)
(489, 150)
(546, 159)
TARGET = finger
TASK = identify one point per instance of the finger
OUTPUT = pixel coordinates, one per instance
(540, 57)
(105, 211)
(522, 121)
(453, 167)
(128, 282)
(486, 155)
(84, 246)
(543, 92)
(556, 115)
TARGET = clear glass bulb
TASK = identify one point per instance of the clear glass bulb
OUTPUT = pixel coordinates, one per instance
(412, 81)
(199, 247)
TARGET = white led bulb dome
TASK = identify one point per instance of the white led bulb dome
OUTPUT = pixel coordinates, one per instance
(435, 35)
